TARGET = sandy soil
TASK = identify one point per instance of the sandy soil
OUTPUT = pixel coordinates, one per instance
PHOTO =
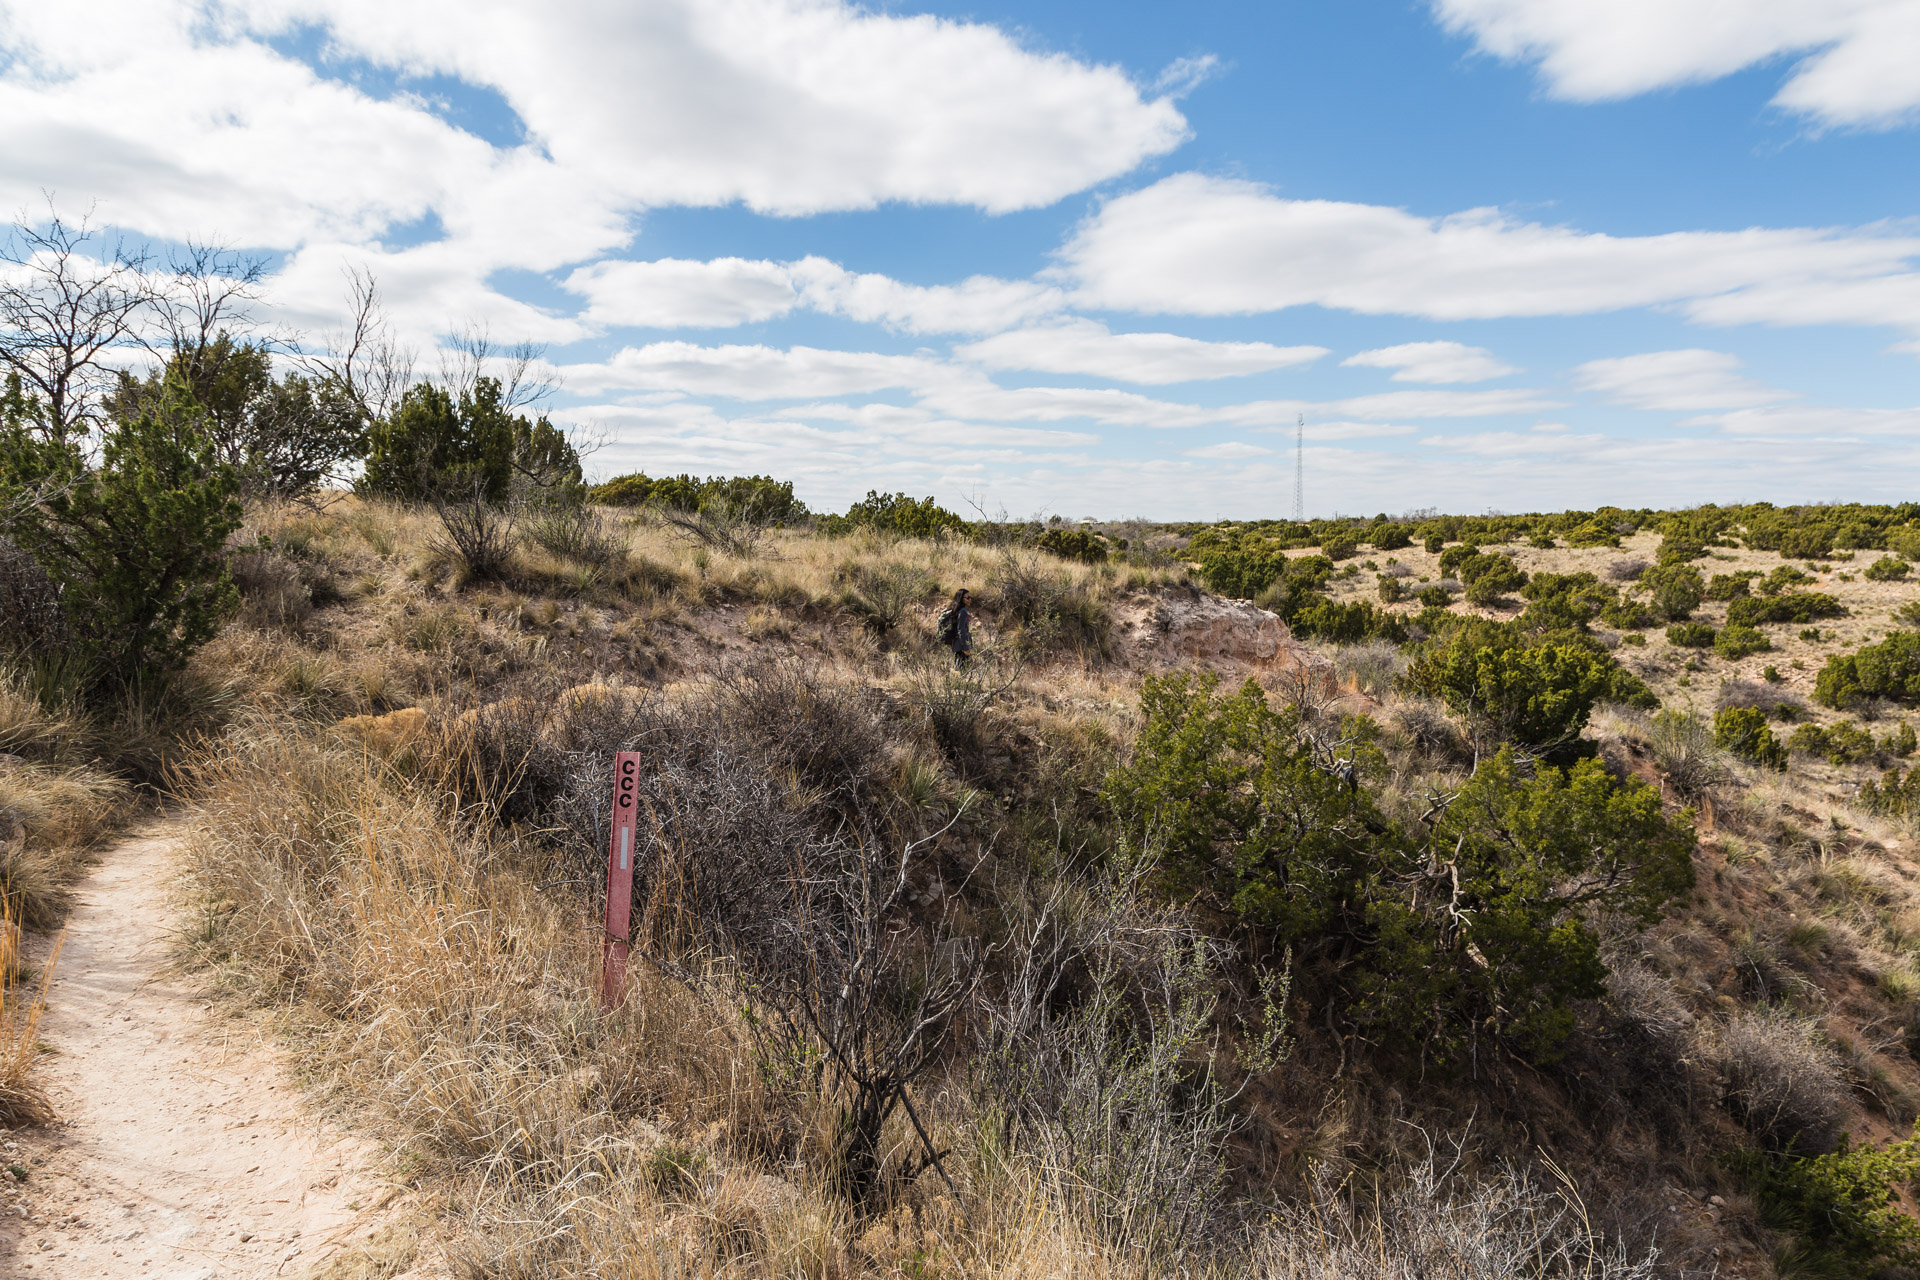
(182, 1151)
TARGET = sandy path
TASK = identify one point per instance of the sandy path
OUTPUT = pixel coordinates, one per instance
(182, 1151)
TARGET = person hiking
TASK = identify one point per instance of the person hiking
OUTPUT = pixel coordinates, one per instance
(955, 627)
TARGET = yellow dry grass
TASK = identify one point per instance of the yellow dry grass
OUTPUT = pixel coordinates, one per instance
(449, 1000)
(21, 1004)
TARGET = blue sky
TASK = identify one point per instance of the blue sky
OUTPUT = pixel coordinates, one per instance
(1067, 257)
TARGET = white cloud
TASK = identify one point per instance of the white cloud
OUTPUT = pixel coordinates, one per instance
(1195, 245)
(1433, 362)
(1853, 60)
(178, 119)
(978, 304)
(1675, 380)
(946, 389)
(751, 372)
(1111, 407)
(1088, 347)
(1817, 421)
(719, 292)
(1228, 450)
(1437, 404)
(673, 292)
(789, 106)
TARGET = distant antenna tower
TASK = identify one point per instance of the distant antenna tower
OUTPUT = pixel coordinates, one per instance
(1300, 470)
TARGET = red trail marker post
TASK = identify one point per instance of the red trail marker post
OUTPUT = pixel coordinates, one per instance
(620, 853)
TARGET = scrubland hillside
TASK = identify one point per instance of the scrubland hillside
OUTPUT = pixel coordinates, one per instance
(1235, 910)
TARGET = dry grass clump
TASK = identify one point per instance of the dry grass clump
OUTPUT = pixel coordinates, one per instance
(1627, 570)
(21, 1101)
(1778, 702)
(52, 808)
(272, 594)
(1783, 1080)
(1433, 1223)
(49, 818)
(29, 729)
(1370, 669)
(453, 996)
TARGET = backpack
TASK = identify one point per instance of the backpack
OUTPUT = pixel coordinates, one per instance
(947, 627)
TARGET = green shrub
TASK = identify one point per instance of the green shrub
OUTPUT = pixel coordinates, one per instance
(282, 438)
(1679, 549)
(436, 449)
(1890, 669)
(1072, 544)
(1800, 606)
(1593, 534)
(760, 501)
(1242, 574)
(1842, 743)
(1538, 696)
(1731, 586)
(1390, 537)
(1691, 635)
(1887, 569)
(1783, 578)
(1894, 796)
(897, 513)
(1805, 542)
(1564, 601)
(1532, 852)
(1316, 617)
(622, 491)
(675, 493)
(1844, 1206)
(1479, 922)
(1674, 590)
(1209, 776)
(1452, 558)
(1489, 577)
(1340, 545)
(1744, 731)
(1628, 615)
(136, 547)
(1736, 642)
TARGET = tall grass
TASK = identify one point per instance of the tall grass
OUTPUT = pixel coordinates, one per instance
(21, 1099)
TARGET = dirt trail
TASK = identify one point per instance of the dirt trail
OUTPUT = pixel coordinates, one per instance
(182, 1151)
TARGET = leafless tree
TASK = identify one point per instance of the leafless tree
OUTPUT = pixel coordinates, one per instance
(365, 358)
(876, 991)
(471, 355)
(66, 316)
(209, 290)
